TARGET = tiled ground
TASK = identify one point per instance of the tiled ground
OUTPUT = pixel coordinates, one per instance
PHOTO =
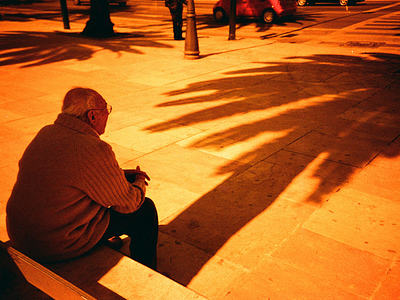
(274, 167)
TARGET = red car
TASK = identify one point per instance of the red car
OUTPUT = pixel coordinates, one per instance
(341, 2)
(267, 10)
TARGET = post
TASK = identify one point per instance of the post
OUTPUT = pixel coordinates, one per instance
(99, 24)
(191, 41)
(232, 21)
(64, 12)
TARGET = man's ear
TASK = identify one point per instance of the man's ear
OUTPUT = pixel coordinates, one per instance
(92, 117)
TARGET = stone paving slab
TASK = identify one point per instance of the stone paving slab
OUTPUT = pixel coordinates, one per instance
(390, 289)
(333, 262)
(272, 279)
(360, 220)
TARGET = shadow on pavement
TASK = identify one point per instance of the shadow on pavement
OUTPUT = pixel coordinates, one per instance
(40, 48)
(320, 118)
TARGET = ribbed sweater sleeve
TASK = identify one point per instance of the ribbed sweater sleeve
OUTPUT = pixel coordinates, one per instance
(103, 180)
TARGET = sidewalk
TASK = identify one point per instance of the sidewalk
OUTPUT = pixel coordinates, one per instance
(275, 166)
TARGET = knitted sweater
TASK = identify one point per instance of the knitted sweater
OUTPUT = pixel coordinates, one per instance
(68, 178)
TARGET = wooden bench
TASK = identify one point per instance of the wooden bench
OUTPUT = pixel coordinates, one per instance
(102, 273)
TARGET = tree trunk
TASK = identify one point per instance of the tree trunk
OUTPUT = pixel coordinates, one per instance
(99, 24)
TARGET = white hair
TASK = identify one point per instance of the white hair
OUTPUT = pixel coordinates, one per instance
(78, 101)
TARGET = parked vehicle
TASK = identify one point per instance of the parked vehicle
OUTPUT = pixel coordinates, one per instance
(267, 10)
(119, 2)
(341, 2)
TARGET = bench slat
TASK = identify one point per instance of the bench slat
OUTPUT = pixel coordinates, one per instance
(102, 274)
(44, 279)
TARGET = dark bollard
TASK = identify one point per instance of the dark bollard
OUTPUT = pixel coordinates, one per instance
(64, 11)
(232, 21)
(191, 42)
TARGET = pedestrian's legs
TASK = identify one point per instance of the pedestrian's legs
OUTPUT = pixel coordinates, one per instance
(142, 227)
(177, 24)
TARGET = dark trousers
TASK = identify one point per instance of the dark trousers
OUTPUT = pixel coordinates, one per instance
(177, 22)
(142, 227)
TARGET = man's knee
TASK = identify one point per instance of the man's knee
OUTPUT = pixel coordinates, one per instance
(149, 204)
(149, 208)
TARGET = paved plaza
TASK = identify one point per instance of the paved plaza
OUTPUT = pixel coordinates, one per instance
(274, 165)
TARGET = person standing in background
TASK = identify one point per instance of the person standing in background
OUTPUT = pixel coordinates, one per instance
(176, 9)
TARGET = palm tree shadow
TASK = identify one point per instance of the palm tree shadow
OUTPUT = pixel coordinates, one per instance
(312, 129)
(39, 48)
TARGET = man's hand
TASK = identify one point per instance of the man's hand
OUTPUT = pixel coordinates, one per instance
(139, 174)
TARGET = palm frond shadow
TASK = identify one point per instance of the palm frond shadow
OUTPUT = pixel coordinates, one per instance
(39, 48)
(306, 118)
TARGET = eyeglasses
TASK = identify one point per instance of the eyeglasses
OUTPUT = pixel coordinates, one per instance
(108, 107)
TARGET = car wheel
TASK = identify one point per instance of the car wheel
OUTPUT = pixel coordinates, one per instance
(343, 2)
(219, 14)
(122, 4)
(77, 2)
(302, 2)
(268, 16)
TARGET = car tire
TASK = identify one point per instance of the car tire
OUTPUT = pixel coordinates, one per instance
(220, 14)
(268, 16)
(301, 2)
(77, 2)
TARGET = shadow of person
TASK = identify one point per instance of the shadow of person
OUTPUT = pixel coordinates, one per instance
(100, 262)
(90, 273)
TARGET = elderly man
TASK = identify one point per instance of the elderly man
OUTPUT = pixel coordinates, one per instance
(70, 193)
